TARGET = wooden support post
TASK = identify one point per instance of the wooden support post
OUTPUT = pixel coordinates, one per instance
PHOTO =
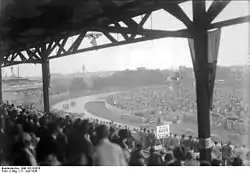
(1, 83)
(201, 73)
(2, 118)
(46, 84)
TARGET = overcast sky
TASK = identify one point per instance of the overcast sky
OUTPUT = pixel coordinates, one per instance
(161, 53)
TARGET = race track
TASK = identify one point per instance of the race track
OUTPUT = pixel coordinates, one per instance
(80, 105)
(94, 107)
(99, 109)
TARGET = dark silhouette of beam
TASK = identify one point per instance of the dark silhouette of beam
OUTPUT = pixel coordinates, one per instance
(177, 12)
(215, 9)
(230, 22)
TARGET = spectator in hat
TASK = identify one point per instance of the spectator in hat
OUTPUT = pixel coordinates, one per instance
(80, 148)
(189, 143)
(11, 136)
(217, 149)
(24, 155)
(196, 145)
(180, 155)
(190, 160)
(136, 156)
(183, 140)
(154, 158)
(29, 124)
(175, 141)
(61, 139)
(50, 155)
(226, 153)
(123, 142)
(123, 135)
(168, 141)
(34, 142)
(113, 135)
(107, 153)
(168, 159)
(36, 125)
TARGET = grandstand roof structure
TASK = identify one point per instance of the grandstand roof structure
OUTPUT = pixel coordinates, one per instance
(28, 26)
(36, 31)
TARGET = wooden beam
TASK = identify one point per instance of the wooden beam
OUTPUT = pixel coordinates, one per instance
(14, 55)
(110, 37)
(146, 32)
(179, 33)
(11, 63)
(49, 46)
(110, 8)
(6, 58)
(23, 58)
(52, 46)
(154, 33)
(61, 46)
(131, 23)
(30, 53)
(125, 36)
(230, 22)
(142, 22)
(74, 50)
(77, 42)
(215, 9)
(145, 18)
(176, 11)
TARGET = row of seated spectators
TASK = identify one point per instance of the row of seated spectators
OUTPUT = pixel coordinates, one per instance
(30, 138)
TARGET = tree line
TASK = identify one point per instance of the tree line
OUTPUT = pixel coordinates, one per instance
(134, 78)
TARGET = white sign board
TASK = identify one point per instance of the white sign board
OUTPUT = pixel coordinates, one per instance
(162, 131)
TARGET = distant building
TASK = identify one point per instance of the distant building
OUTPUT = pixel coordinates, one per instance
(20, 90)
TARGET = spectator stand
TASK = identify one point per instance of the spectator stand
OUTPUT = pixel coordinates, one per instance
(38, 47)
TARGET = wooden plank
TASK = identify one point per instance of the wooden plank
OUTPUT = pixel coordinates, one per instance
(230, 22)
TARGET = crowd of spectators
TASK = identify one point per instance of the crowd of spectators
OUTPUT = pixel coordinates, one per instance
(229, 109)
(31, 138)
